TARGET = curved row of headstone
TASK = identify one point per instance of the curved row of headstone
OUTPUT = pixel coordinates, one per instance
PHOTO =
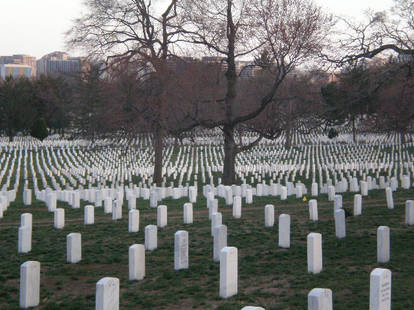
(70, 166)
(69, 174)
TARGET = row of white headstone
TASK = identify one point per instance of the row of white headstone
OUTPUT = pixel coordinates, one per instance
(68, 165)
(25, 231)
(107, 289)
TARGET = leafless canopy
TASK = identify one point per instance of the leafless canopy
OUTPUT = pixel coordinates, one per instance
(125, 28)
(391, 31)
(291, 32)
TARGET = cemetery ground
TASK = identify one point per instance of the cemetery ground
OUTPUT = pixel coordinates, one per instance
(269, 276)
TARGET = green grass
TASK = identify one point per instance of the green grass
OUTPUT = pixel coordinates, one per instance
(268, 276)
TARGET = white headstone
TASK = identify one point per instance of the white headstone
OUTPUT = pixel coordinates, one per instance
(133, 220)
(59, 218)
(188, 213)
(228, 272)
(357, 205)
(51, 201)
(269, 215)
(380, 289)
(29, 295)
(314, 189)
(27, 197)
(320, 299)
(340, 224)
(237, 207)
(313, 210)
(383, 244)
(249, 196)
(162, 216)
(76, 200)
(181, 250)
(192, 194)
(390, 200)
(405, 182)
(284, 231)
(89, 217)
(24, 239)
(314, 253)
(107, 294)
(73, 248)
(136, 264)
(364, 188)
(409, 212)
(150, 237)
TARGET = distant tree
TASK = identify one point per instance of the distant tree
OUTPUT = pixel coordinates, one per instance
(39, 129)
(349, 98)
(54, 101)
(88, 103)
(395, 112)
(17, 111)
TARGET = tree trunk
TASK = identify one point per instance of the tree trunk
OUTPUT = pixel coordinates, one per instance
(230, 148)
(288, 142)
(158, 150)
(230, 152)
(353, 130)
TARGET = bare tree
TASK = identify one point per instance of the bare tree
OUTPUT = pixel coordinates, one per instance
(129, 31)
(384, 32)
(395, 111)
(290, 31)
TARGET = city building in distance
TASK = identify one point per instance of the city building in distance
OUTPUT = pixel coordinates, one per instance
(20, 59)
(60, 63)
(15, 71)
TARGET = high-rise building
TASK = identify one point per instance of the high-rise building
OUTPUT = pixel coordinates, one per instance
(244, 68)
(60, 63)
(21, 59)
(15, 70)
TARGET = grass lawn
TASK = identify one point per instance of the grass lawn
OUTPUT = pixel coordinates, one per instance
(269, 276)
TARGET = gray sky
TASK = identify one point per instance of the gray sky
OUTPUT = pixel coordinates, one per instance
(36, 27)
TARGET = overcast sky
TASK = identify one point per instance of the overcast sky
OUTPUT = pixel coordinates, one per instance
(36, 27)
